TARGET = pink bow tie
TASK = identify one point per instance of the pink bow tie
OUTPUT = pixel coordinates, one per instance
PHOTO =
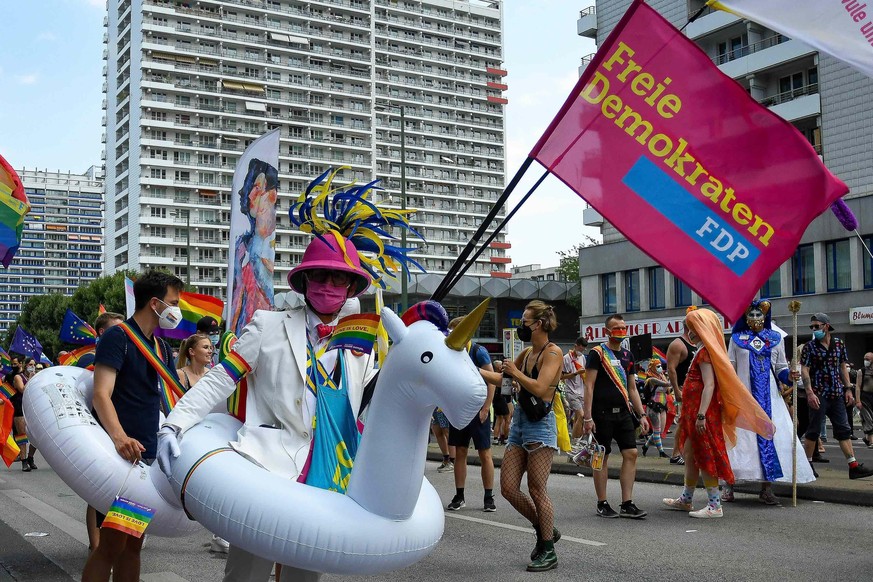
(324, 330)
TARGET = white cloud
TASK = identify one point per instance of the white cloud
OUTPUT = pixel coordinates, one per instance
(28, 79)
(46, 36)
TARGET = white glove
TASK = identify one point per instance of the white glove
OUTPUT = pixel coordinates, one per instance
(168, 447)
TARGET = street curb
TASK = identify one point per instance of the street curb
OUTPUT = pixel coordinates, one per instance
(675, 475)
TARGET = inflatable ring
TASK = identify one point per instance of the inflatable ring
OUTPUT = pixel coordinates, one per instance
(57, 405)
(391, 516)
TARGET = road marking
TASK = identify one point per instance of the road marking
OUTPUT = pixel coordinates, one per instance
(75, 528)
(162, 577)
(519, 528)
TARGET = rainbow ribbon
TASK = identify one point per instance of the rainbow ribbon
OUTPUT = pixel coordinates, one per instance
(172, 390)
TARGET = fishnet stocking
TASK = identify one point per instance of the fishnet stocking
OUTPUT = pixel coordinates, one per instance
(538, 507)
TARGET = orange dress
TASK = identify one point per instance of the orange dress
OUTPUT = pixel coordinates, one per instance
(709, 449)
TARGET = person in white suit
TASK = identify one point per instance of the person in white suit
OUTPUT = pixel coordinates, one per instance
(273, 353)
(757, 352)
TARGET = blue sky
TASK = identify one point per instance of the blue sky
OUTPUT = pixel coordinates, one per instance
(50, 116)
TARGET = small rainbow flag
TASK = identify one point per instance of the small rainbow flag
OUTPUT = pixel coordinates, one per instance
(21, 439)
(9, 451)
(129, 517)
(194, 307)
(657, 352)
(355, 332)
(6, 389)
(82, 357)
(101, 310)
(5, 361)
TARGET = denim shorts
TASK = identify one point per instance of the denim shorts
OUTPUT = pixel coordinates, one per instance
(834, 409)
(439, 418)
(524, 433)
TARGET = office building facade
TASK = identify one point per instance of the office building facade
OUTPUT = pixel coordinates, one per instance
(190, 84)
(62, 242)
(827, 101)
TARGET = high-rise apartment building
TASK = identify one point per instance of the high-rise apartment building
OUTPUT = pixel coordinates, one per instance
(828, 102)
(62, 243)
(190, 84)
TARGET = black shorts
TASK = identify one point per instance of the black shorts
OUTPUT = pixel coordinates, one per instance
(501, 408)
(616, 426)
(480, 432)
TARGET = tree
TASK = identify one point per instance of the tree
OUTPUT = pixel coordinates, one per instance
(41, 316)
(568, 269)
(109, 291)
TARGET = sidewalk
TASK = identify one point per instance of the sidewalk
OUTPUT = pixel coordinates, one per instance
(832, 486)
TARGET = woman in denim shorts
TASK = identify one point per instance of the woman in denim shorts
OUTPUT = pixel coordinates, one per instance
(533, 441)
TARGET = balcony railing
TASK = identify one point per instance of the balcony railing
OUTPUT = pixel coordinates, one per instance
(786, 96)
(746, 50)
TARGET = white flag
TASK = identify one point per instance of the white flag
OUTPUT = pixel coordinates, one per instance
(841, 28)
(252, 231)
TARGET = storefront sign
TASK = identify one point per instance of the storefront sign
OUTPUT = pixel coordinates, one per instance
(669, 327)
(861, 315)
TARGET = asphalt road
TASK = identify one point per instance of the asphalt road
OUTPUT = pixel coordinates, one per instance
(815, 541)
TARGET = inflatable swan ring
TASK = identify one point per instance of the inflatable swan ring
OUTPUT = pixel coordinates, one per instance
(391, 516)
(57, 404)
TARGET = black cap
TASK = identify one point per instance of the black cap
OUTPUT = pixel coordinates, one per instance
(822, 318)
(208, 325)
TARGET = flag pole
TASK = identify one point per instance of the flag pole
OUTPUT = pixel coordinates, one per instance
(794, 307)
(443, 288)
(490, 239)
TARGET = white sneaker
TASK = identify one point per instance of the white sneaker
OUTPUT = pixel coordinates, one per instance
(676, 504)
(707, 513)
(446, 467)
(218, 545)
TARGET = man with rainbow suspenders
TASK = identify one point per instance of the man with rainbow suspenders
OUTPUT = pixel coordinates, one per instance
(292, 378)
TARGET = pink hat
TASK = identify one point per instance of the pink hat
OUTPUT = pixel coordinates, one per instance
(339, 255)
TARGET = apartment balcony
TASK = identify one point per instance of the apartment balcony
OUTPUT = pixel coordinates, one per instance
(590, 217)
(765, 54)
(587, 24)
(710, 21)
(795, 104)
(586, 60)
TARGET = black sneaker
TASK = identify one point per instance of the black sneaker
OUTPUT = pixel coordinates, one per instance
(456, 504)
(489, 506)
(631, 511)
(677, 460)
(604, 510)
(818, 458)
(859, 472)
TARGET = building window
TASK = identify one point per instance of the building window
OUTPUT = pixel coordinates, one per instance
(837, 260)
(657, 300)
(632, 290)
(772, 287)
(868, 263)
(803, 268)
(682, 293)
(607, 288)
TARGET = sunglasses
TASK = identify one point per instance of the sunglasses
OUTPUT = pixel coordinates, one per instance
(338, 278)
(816, 326)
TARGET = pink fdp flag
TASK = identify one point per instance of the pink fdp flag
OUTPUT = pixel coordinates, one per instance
(680, 159)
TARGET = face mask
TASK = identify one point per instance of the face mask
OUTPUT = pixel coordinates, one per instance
(326, 298)
(618, 335)
(31, 370)
(868, 363)
(213, 338)
(659, 369)
(169, 318)
(818, 334)
(524, 333)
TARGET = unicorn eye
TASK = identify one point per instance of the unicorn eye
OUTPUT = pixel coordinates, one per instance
(426, 357)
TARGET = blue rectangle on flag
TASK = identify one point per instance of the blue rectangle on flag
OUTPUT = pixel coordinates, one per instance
(691, 215)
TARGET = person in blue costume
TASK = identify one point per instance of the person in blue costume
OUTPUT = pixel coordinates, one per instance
(757, 353)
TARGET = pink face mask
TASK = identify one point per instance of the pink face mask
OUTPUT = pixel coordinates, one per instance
(326, 298)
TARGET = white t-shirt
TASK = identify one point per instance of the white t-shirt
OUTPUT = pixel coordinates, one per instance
(574, 361)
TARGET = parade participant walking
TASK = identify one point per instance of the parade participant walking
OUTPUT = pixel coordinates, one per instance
(825, 369)
(573, 375)
(656, 388)
(479, 430)
(757, 353)
(611, 400)
(680, 352)
(127, 399)
(19, 424)
(533, 437)
(864, 398)
(716, 403)
(294, 382)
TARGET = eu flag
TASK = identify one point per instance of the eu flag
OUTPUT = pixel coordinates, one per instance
(76, 331)
(25, 344)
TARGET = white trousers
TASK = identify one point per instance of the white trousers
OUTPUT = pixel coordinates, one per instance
(243, 566)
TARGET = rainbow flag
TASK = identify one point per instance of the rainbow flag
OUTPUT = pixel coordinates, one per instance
(101, 310)
(355, 332)
(657, 352)
(194, 307)
(13, 208)
(21, 439)
(9, 451)
(74, 330)
(6, 389)
(129, 517)
(5, 362)
(6, 414)
(82, 357)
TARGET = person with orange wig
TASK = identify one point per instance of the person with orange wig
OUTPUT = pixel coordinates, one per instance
(715, 403)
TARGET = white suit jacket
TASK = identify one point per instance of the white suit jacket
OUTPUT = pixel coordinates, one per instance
(278, 427)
